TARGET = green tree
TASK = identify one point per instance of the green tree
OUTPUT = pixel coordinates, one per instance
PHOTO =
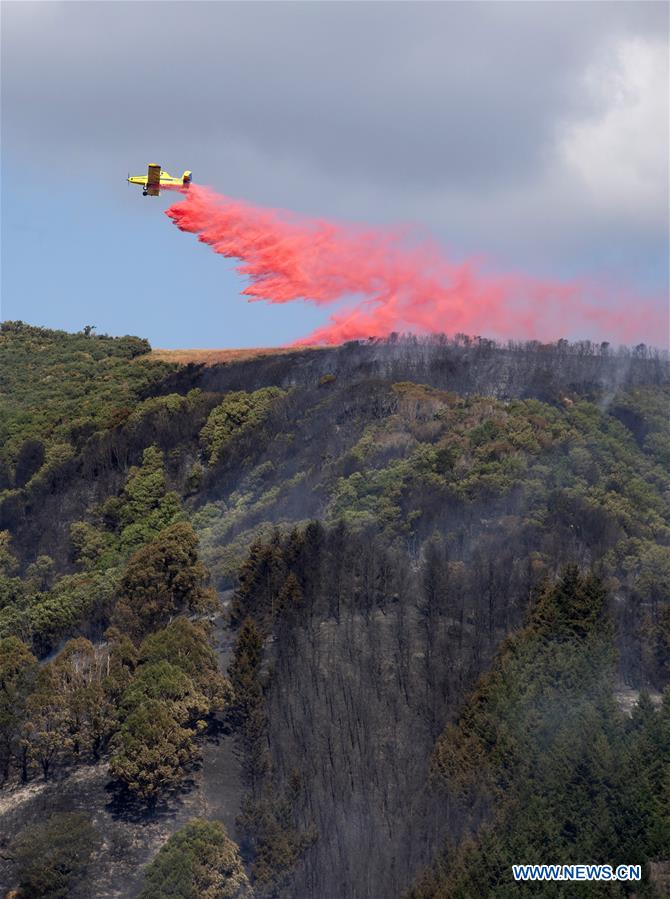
(92, 546)
(200, 861)
(163, 579)
(79, 675)
(123, 659)
(277, 838)
(40, 574)
(661, 646)
(53, 856)
(571, 609)
(186, 644)
(542, 745)
(8, 563)
(151, 751)
(261, 579)
(84, 598)
(14, 612)
(147, 506)
(169, 684)
(239, 412)
(48, 727)
(18, 672)
(60, 387)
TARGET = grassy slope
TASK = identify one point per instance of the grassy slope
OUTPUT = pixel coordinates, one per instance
(216, 357)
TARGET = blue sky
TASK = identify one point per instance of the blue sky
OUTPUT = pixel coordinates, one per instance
(534, 134)
(99, 253)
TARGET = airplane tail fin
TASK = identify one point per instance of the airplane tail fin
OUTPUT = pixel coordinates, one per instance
(186, 178)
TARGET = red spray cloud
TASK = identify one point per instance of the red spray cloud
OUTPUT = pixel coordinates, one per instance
(390, 285)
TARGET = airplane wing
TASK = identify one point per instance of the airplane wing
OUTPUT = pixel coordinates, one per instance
(153, 175)
(153, 179)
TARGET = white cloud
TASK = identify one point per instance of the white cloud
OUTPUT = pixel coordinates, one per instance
(620, 155)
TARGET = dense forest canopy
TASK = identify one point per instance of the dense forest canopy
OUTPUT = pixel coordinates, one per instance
(396, 609)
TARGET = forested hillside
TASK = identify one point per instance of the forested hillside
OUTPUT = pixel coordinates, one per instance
(367, 621)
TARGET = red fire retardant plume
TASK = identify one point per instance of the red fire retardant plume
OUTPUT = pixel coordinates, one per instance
(389, 285)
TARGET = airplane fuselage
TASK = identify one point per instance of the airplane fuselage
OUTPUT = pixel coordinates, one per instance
(157, 178)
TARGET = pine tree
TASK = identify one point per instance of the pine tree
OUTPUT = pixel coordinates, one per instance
(248, 711)
(290, 599)
(245, 670)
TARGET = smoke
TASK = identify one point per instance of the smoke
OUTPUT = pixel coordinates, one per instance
(384, 282)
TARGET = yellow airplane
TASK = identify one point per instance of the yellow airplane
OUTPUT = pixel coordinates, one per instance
(157, 178)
